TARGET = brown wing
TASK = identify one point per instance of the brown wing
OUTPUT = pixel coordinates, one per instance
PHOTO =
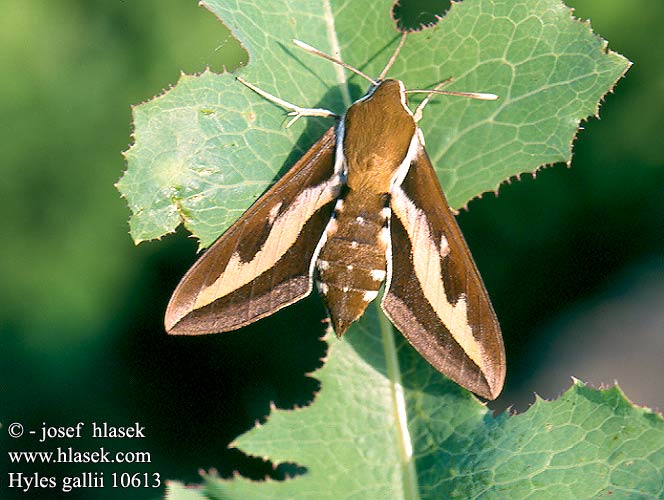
(262, 262)
(435, 295)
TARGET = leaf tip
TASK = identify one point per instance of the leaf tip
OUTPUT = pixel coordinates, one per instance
(212, 472)
(539, 399)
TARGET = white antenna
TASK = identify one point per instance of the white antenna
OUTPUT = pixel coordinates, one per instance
(436, 90)
(393, 58)
(296, 111)
(317, 52)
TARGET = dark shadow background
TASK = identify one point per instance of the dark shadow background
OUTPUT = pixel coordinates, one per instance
(572, 260)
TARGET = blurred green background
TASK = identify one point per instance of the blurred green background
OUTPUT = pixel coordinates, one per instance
(572, 260)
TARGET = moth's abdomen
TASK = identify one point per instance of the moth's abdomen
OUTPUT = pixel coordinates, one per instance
(352, 262)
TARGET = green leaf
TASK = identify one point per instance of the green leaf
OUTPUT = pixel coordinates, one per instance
(206, 149)
(178, 491)
(353, 442)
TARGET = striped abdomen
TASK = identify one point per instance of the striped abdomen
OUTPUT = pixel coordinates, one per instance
(352, 262)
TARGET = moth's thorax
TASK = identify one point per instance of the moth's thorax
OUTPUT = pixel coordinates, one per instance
(377, 133)
(352, 262)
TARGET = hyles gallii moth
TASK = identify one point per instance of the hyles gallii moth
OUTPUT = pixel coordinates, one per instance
(361, 208)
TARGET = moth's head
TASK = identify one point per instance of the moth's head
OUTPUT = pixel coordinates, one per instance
(389, 89)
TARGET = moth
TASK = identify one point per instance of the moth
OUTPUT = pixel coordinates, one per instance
(362, 208)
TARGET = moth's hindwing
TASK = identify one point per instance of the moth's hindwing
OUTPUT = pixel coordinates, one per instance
(434, 293)
(262, 262)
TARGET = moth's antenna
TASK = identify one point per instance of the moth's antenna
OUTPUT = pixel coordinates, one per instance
(436, 90)
(393, 58)
(317, 52)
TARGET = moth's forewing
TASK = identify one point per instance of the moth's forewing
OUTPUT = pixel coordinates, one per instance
(434, 294)
(262, 262)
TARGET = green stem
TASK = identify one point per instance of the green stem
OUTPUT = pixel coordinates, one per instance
(336, 52)
(409, 473)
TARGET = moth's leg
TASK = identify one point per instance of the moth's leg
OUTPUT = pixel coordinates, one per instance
(295, 111)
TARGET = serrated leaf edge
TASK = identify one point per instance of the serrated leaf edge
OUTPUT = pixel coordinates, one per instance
(568, 162)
